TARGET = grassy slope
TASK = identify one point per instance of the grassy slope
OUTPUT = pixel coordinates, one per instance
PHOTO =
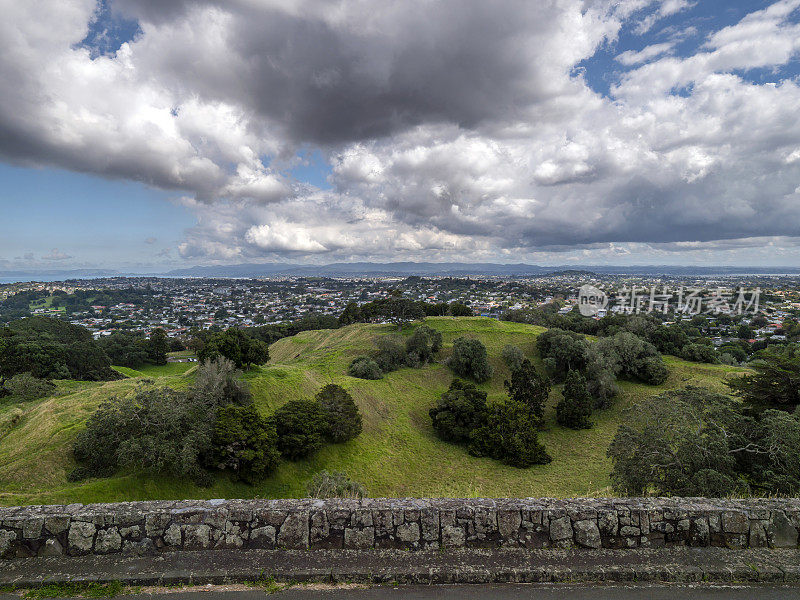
(396, 455)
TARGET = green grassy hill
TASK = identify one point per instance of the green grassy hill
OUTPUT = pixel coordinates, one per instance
(396, 455)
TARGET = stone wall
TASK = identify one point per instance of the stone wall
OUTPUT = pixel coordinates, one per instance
(152, 527)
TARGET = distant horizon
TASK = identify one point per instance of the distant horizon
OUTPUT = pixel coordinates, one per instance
(395, 269)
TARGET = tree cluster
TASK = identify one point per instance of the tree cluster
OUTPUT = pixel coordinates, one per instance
(696, 442)
(132, 349)
(623, 355)
(237, 346)
(683, 339)
(52, 349)
(506, 431)
(399, 310)
(393, 353)
(212, 427)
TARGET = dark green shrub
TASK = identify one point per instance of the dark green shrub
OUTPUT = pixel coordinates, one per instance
(460, 409)
(562, 351)
(341, 412)
(159, 430)
(391, 354)
(364, 367)
(509, 435)
(244, 443)
(237, 346)
(699, 353)
(457, 309)
(25, 387)
(469, 359)
(301, 426)
(422, 346)
(512, 356)
(575, 408)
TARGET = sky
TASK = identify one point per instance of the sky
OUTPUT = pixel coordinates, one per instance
(144, 135)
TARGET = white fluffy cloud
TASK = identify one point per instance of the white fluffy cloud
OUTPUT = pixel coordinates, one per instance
(454, 131)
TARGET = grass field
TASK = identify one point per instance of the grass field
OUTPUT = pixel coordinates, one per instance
(396, 455)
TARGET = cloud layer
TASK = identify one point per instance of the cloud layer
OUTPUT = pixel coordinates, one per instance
(454, 130)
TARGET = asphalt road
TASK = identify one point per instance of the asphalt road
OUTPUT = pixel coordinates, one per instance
(493, 592)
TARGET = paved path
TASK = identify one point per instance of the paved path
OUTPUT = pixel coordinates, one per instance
(676, 565)
(493, 592)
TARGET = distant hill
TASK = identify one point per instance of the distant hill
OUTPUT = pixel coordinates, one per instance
(402, 269)
(398, 269)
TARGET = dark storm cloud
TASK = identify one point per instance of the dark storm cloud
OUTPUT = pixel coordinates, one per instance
(341, 72)
(451, 127)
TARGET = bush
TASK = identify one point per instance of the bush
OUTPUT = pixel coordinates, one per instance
(344, 420)
(237, 346)
(775, 382)
(562, 351)
(301, 426)
(530, 388)
(25, 387)
(457, 309)
(575, 408)
(460, 409)
(653, 371)
(244, 443)
(601, 378)
(159, 430)
(334, 485)
(469, 359)
(699, 353)
(217, 383)
(512, 356)
(697, 442)
(391, 354)
(364, 367)
(422, 346)
(509, 435)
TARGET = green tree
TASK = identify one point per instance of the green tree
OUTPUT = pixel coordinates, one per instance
(341, 412)
(25, 387)
(775, 383)
(301, 426)
(422, 346)
(469, 359)
(457, 309)
(236, 346)
(743, 332)
(157, 347)
(699, 353)
(512, 356)
(244, 443)
(351, 314)
(529, 387)
(391, 353)
(575, 408)
(458, 411)
(682, 442)
(509, 435)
